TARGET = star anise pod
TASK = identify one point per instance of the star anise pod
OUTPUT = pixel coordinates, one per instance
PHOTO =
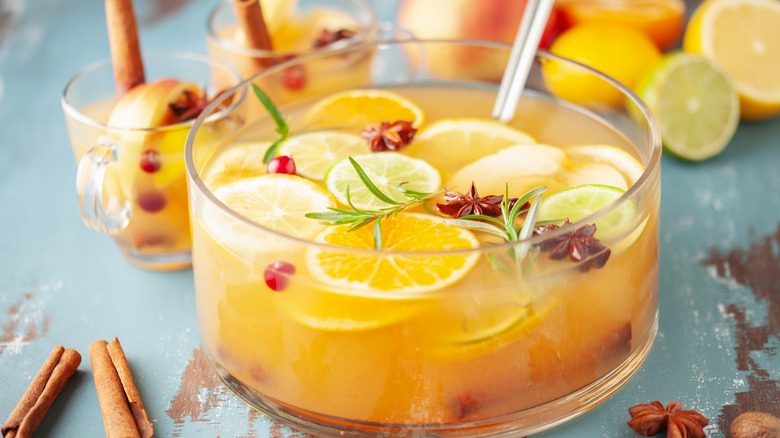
(328, 37)
(459, 204)
(189, 106)
(648, 419)
(577, 245)
(389, 136)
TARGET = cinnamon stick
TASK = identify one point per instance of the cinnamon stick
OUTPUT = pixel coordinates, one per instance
(124, 45)
(41, 393)
(111, 381)
(249, 17)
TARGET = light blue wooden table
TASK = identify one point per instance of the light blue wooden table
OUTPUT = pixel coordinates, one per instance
(717, 351)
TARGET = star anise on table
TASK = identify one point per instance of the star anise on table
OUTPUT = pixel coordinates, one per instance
(648, 419)
(577, 245)
(458, 204)
(389, 136)
(328, 37)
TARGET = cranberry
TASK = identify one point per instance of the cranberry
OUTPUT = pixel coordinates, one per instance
(150, 161)
(294, 78)
(151, 201)
(277, 275)
(282, 164)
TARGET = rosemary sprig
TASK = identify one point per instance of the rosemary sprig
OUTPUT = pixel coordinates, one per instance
(357, 217)
(505, 226)
(281, 125)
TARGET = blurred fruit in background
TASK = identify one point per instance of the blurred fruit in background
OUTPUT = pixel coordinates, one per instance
(743, 36)
(695, 103)
(492, 20)
(622, 52)
(661, 20)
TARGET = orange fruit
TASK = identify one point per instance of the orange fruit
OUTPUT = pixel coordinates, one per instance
(619, 51)
(661, 20)
(385, 272)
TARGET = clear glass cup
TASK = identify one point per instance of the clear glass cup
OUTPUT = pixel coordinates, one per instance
(519, 344)
(294, 26)
(145, 210)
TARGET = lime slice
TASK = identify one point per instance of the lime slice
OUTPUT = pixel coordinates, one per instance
(579, 202)
(315, 152)
(276, 201)
(358, 108)
(388, 171)
(449, 144)
(695, 103)
(487, 330)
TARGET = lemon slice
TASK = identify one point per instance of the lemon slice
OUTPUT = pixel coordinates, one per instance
(275, 201)
(578, 202)
(315, 152)
(242, 160)
(360, 108)
(622, 161)
(395, 271)
(743, 37)
(449, 144)
(695, 103)
(388, 171)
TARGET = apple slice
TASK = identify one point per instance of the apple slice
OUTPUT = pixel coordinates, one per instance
(149, 105)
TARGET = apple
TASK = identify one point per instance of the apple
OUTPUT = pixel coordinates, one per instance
(149, 105)
(491, 20)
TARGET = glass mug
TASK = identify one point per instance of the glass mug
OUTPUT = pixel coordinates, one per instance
(143, 209)
(294, 28)
(517, 345)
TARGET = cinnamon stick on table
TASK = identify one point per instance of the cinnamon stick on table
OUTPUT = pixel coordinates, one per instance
(123, 411)
(44, 388)
(124, 46)
(249, 17)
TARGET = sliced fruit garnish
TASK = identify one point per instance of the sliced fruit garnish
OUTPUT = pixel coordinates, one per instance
(449, 144)
(315, 152)
(581, 201)
(695, 103)
(243, 160)
(148, 105)
(388, 171)
(327, 310)
(277, 202)
(743, 37)
(486, 329)
(622, 161)
(395, 270)
(360, 108)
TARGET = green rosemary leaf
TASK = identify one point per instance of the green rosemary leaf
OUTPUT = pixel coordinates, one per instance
(281, 125)
(361, 223)
(270, 153)
(377, 235)
(482, 217)
(476, 225)
(516, 209)
(414, 194)
(527, 230)
(370, 184)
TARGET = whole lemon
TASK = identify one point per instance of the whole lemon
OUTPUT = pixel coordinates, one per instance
(619, 51)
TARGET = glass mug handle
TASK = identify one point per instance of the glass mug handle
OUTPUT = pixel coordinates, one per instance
(89, 186)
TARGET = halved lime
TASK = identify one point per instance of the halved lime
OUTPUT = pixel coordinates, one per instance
(315, 152)
(695, 103)
(581, 201)
(388, 171)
